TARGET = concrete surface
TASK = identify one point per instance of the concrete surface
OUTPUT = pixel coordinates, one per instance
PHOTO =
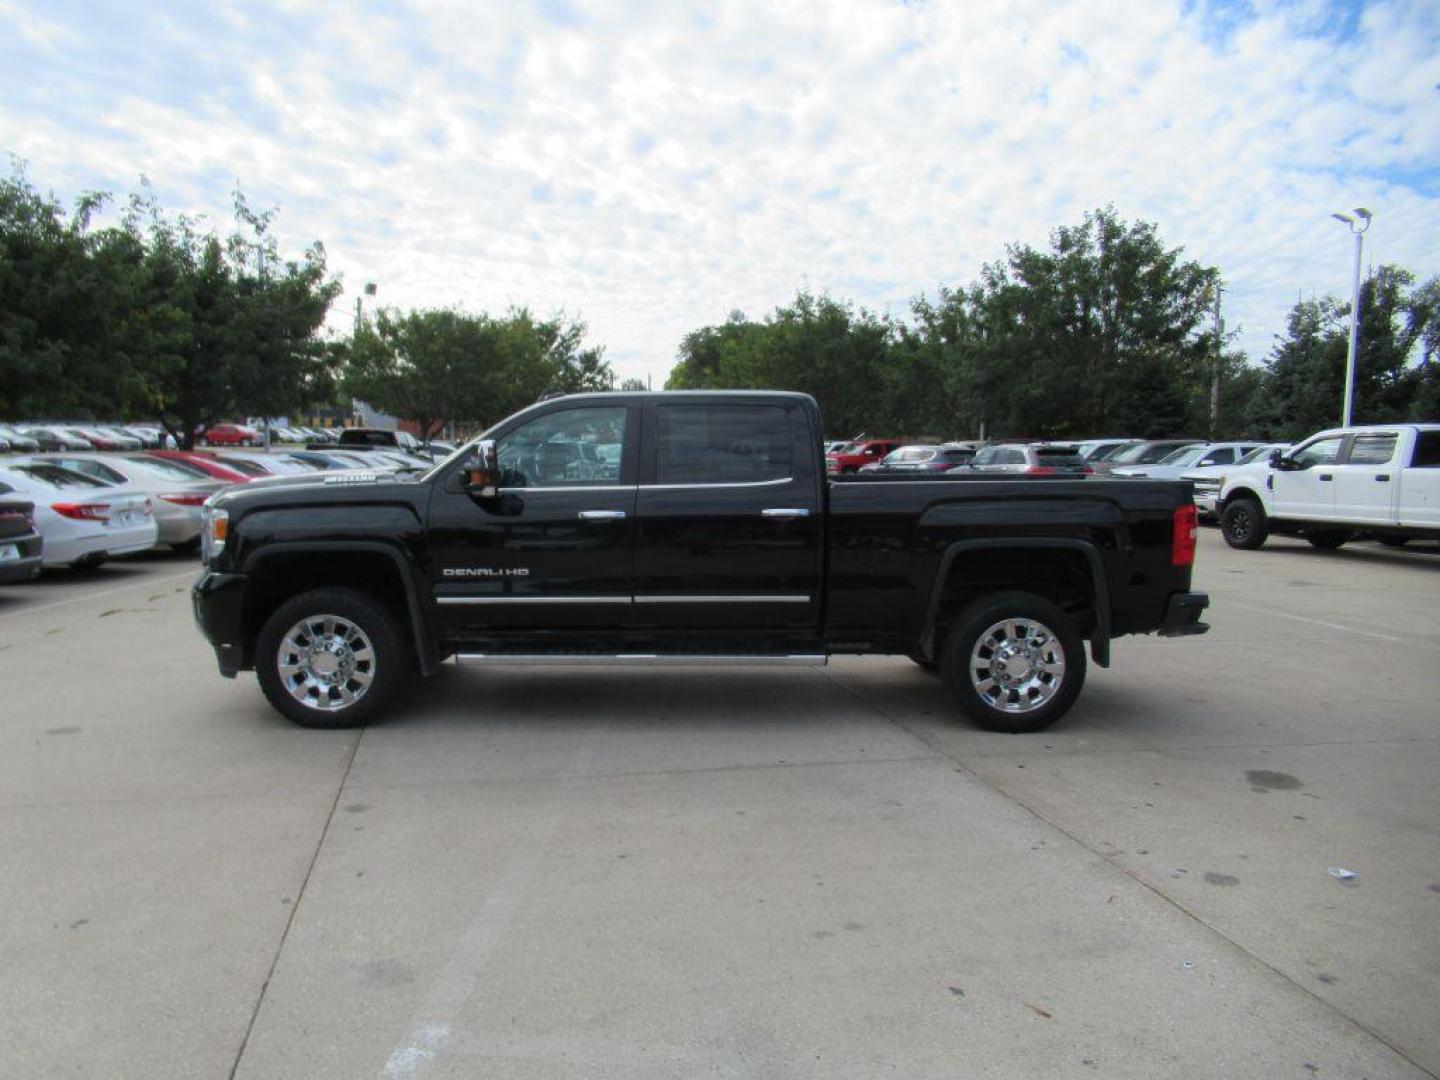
(586, 873)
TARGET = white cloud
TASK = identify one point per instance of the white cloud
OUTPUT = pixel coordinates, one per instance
(652, 168)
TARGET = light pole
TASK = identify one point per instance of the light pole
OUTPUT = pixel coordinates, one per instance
(370, 290)
(1358, 229)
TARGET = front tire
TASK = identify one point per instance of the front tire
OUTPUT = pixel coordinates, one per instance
(1243, 524)
(1014, 661)
(329, 658)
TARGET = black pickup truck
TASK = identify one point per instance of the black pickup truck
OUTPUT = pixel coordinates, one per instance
(686, 528)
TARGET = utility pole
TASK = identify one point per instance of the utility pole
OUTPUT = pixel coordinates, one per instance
(1219, 360)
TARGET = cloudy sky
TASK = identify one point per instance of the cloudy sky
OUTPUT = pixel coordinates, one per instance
(651, 167)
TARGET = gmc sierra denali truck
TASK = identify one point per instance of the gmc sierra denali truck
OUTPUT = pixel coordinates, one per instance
(686, 528)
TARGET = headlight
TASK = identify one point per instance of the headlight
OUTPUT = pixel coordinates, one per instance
(215, 527)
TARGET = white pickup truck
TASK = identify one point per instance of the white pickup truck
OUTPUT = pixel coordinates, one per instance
(1381, 481)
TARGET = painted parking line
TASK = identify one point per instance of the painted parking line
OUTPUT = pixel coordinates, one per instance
(1321, 622)
(147, 583)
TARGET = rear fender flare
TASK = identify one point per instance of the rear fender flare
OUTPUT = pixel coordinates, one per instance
(1099, 639)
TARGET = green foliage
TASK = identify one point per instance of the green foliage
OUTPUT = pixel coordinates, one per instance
(154, 316)
(1105, 331)
(1305, 373)
(435, 366)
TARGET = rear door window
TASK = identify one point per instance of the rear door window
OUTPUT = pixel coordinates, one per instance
(722, 444)
(1427, 451)
(1375, 449)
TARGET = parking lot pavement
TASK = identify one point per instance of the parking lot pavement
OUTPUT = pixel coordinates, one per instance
(548, 873)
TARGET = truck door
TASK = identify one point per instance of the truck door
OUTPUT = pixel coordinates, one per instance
(1367, 480)
(554, 550)
(1419, 496)
(730, 518)
(1307, 490)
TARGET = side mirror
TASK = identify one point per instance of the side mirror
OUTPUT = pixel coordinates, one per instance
(1277, 459)
(480, 472)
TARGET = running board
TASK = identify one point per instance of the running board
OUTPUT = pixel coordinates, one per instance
(641, 660)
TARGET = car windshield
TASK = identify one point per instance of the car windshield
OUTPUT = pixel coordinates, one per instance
(1186, 455)
(177, 469)
(910, 454)
(56, 476)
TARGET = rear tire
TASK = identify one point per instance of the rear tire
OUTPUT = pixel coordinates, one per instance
(1014, 661)
(1327, 541)
(1243, 524)
(330, 658)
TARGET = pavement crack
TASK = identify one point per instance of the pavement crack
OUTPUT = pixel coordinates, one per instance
(295, 907)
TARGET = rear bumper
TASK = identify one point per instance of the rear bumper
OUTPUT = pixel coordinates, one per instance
(26, 562)
(218, 602)
(1182, 614)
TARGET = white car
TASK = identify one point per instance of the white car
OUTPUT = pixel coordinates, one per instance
(83, 521)
(1209, 478)
(176, 495)
(1179, 462)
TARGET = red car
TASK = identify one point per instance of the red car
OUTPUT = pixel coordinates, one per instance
(232, 435)
(851, 456)
(202, 462)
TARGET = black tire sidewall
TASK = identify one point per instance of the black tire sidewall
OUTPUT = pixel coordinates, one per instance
(1258, 530)
(980, 616)
(378, 624)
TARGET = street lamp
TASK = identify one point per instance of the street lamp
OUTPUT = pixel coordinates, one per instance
(370, 290)
(1358, 229)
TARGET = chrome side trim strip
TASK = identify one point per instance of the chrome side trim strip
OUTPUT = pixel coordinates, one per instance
(569, 490)
(734, 484)
(722, 599)
(532, 599)
(642, 660)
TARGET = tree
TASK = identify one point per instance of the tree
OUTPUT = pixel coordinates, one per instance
(1104, 332)
(435, 366)
(154, 316)
(1305, 382)
(429, 366)
(633, 384)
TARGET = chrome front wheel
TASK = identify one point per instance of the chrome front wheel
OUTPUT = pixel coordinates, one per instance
(331, 657)
(326, 662)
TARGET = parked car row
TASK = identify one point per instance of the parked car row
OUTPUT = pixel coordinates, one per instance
(78, 508)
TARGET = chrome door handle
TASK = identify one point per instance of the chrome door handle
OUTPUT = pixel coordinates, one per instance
(601, 515)
(783, 513)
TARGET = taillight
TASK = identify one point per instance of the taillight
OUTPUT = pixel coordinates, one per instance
(185, 499)
(1041, 470)
(1185, 531)
(83, 511)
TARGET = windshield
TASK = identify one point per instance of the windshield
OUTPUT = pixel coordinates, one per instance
(1186, 455)
(910, 454)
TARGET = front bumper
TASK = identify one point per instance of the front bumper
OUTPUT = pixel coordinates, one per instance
(1182, 614)
(218, 601)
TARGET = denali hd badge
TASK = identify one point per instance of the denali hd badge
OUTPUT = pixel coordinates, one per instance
(484, 571)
